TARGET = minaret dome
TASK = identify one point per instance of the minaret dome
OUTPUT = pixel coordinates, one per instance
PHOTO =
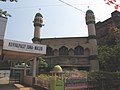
(90, 18)
(38, 23)
(38, 20)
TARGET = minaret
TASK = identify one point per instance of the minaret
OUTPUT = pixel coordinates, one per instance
(38, 23)
(90, 21)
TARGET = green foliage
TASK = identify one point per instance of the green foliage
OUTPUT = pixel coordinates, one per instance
(98, 76)
(9, 0)
(22, 65)
(109, 58)
(104, 80)
(91, 37)
(42, 63)
(4, 13)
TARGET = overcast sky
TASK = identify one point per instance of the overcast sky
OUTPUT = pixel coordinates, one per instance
(60, 19)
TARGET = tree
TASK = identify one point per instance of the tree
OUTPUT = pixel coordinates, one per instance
(42, 65)
(9, 0)
(109, 58)
(41, 62)
(110, 36)
(4, 13)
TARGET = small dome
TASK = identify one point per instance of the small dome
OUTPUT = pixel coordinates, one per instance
(38, 15)
(89, 11)
(57, 68)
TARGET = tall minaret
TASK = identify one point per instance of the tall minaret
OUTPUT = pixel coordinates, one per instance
(90, 21)
(38, 23)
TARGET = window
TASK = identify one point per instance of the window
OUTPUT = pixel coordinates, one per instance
(79, 50)
(63, 51)
(49, 51)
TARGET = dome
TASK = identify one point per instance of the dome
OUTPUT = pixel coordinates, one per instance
(38, 15)
(57, 68)
(90, 18)
(89, 11)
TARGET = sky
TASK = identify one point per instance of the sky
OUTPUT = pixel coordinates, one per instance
(60, 20)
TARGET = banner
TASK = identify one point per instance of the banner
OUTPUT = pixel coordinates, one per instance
(24, 47)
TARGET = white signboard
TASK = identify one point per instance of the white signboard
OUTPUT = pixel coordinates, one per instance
(3, 22)
(24, 47)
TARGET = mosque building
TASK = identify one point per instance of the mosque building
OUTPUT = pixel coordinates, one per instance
(108, 31)
(70, 52)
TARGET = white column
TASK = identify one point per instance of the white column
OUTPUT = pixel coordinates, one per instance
(34, 67)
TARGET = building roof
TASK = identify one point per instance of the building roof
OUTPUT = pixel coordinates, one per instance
(64, 38)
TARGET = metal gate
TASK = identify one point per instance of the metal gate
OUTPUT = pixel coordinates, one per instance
(14, 75)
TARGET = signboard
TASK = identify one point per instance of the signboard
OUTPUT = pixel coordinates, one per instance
(24, 47)
(76, 80)
(3, 22)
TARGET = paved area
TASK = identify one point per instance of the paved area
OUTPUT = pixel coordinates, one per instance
(14, 87)
(5, 85)
(4, 80)
(8, 87)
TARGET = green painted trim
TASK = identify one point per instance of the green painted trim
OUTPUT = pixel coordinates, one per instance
(92, 37)
(93, 57)
(36, 39)
(36, 24)
(90, 22)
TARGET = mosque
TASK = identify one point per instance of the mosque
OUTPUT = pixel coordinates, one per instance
(70, 52)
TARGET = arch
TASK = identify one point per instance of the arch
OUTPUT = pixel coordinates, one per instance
(49, 51)
(63, 51)
(87, 51)
(56, 52)
(79, 50)
(71, 52)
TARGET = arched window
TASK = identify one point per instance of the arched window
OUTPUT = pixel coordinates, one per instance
(63, 51)
(87, 52)
(79, 50)
(49, 51)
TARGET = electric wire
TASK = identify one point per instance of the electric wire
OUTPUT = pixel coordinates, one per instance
(71, 5)
(75, 7)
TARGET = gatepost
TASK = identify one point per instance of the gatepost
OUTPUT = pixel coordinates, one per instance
(57, 81)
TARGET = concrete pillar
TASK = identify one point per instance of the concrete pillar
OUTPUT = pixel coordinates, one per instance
(34, 67)
(94, 65)
(1, 47)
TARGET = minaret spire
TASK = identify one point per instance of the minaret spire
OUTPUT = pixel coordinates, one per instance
(38, 23)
